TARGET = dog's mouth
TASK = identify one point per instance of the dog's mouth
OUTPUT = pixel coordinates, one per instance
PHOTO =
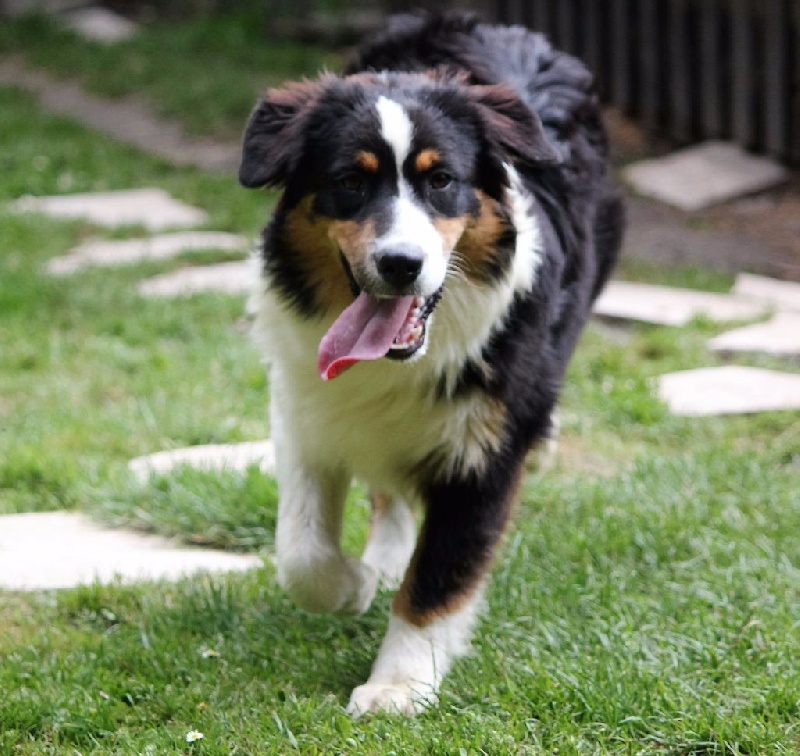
(414, 331)
(373, 327)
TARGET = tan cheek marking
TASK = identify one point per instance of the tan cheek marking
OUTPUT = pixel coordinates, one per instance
(450, 229)
(426, 159)
(478, 244)
(367, 161)
(309, 237)
(353, 240)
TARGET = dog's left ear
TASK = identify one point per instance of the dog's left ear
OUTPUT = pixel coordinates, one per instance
(512, 126)
(273, 138)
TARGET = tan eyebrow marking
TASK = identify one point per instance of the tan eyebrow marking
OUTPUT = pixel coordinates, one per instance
(367, 161)
(426, 159)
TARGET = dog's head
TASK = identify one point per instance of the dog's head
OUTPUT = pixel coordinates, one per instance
(390, 182)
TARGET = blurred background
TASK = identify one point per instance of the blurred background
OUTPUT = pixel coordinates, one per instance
(672, 73)
(687, 69)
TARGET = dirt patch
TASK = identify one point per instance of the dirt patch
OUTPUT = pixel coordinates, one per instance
(758, 234)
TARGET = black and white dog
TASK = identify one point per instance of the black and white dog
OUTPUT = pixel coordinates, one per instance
(447, 219)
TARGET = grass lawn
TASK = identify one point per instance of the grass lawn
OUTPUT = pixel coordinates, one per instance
(646, 601)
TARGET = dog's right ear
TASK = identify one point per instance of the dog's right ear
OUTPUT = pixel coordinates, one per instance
(273, 138)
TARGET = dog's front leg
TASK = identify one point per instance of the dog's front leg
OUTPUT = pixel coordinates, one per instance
(311, 566)
(436, 607)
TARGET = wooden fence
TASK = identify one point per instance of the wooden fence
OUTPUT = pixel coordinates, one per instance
(687, 69)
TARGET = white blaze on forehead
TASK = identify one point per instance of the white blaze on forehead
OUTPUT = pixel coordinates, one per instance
(411, 225)
(396, 128)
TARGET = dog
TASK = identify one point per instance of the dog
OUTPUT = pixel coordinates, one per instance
(446, 220)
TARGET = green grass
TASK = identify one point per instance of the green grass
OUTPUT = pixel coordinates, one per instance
(205, 73)
(646, 601)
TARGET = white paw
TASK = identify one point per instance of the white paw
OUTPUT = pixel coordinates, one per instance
(406, 699)
(336, 584)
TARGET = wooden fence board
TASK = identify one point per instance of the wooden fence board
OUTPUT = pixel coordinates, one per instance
(777, 31)
(689, 69)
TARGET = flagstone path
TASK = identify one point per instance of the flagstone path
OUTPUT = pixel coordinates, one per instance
(729, 390)
(226, 278)
(126, 119)
(102, 253)
(779, 294)
(98, 24)
(703, 175)
(43, 551)
(154, 209)
(777, 337)
(236, 457)
(664, 305)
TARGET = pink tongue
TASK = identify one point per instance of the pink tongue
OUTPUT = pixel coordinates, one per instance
(364, 331)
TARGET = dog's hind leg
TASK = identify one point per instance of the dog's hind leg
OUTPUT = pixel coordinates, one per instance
(392, 534)
(311, 566)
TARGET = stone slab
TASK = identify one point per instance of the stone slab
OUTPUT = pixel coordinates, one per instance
(51, 550)
(778, 337)
(100, 25)
(783, 295)
(126, 119)
(129, 251)
(225, 278)
(237, 457)
(154, 209)
(729, 390)
(706, 174)
(665, 305)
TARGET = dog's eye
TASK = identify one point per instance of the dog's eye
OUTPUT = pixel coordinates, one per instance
(352, 182)
(439, 180)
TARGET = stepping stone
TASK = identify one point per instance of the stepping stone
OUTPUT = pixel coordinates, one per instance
(780, 294)
(704, 175)
(665, 305)
(43, 551)
(225, 278)
(100, 25)
(237, 457)
(779, 337)
(115, 253)
(152, 208)
(125, 119)
(729, 391)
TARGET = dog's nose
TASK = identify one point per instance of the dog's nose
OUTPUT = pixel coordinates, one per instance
(399, 266)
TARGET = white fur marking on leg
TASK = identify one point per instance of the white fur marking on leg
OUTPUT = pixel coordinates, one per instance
(391, 542)
(412, 662)
(310, 564)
